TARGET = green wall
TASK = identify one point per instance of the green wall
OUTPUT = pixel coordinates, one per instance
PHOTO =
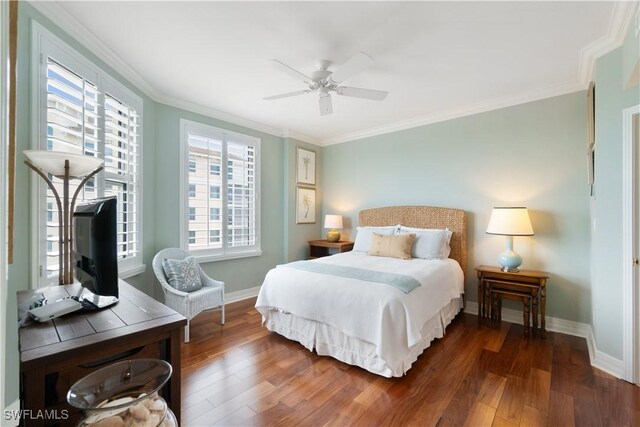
(529, 155)
(237, 274)
(19, 273)
(297, 235)
(606, 208)
(281, 239)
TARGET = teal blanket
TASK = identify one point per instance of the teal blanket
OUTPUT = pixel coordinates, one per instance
(405, 283)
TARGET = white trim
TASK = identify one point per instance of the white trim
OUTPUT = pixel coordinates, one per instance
(43, 41)
(226, 252)
(77, 30)
(224, 257)
(233, 119)
(598, 359)
(4, 172)
(133, 271)
(629, 244)
(621, 19)
(240, 295)
(469, 110)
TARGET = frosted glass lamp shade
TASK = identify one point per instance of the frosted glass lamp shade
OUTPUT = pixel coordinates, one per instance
(333, 221)
(53, 162)
(510, 222)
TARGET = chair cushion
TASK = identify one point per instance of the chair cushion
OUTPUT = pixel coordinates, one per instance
(183, 275)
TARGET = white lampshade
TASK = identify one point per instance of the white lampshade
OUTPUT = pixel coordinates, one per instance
(509, 221)
(333, 221)
(53, 162)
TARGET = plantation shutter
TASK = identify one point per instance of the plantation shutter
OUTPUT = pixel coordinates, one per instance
(72, 126)
(122, 162)
(221, 192)
(82, 117)
(241, 196)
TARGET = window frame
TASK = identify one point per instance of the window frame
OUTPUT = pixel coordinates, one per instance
(45, 44)
(226, 252)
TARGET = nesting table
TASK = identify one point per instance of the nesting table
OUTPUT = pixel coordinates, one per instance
(526, 286)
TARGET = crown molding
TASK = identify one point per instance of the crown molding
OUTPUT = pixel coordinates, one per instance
(481, 107)
(79, 32)
(621, 17)
(231, 118)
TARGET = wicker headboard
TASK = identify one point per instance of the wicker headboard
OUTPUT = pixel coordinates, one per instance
(424, 217)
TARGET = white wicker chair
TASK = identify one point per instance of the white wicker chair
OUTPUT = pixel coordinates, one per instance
(189, 304)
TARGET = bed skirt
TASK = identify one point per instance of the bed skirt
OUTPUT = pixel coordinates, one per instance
(329, 341)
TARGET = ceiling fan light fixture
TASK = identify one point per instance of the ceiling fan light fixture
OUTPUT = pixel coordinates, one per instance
(324, 81)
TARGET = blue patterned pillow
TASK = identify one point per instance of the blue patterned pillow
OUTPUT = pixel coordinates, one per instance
(183, 275)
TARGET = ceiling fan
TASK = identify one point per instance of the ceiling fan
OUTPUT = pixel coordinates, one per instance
(324, 82)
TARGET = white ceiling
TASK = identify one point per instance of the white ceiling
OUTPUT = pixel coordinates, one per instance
(437, 60)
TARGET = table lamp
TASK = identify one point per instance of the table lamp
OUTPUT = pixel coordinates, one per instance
(65, 166)
(333, 222)
(509, 222)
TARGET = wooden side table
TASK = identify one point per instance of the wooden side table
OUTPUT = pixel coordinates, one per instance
(57, 353)
(530, 282)
(320, 248)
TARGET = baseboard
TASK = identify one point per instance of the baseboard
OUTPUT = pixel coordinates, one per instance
(597, 358)
(241, 295)
(8, 417)
(603, 361)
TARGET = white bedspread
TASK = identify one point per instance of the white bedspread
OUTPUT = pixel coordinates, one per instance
(374, 312)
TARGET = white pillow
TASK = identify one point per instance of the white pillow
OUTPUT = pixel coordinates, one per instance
(364, 235)
(430, 243)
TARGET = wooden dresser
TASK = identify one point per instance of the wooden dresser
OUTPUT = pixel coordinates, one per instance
(57, 353)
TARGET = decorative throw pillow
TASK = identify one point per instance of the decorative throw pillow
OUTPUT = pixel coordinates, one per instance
(398, 246)
(183, 275)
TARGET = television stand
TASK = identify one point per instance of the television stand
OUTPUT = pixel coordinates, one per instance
(57, 353)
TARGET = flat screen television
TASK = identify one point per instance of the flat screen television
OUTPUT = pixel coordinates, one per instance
(96, 256)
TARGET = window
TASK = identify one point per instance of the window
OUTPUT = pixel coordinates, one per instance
(192, 190)
(82, 110)
(192, 214)
(192, 165)
(214, 192)
(232, 160)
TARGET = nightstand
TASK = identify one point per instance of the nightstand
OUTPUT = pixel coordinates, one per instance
(320, 248)
(524, 285)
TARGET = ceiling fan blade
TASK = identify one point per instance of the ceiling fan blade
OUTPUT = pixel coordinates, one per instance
(357, 63)
(288, 70)
(326, 107)
(356, 92)
(286, 95)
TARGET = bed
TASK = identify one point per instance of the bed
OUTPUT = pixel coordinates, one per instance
(358, 320)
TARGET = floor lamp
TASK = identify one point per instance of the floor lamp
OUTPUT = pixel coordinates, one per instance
(65, 166)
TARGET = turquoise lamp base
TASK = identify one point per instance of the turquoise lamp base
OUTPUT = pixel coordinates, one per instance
(509, 260)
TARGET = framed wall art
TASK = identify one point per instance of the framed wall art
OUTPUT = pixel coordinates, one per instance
(305, 166)
(305, 205)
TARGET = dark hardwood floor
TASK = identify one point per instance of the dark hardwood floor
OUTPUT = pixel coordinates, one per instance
(242, 374)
